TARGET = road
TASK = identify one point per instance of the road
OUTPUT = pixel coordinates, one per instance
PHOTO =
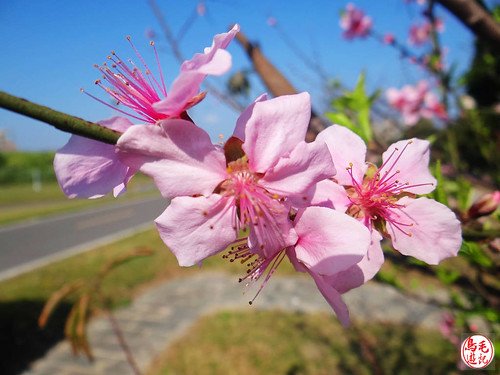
(29, 245)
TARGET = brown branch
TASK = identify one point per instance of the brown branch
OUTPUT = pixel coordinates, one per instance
(476, 18)
(275, 81)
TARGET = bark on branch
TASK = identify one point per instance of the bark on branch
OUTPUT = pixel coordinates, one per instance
(276, 82)
(476, 18)
(59, 120)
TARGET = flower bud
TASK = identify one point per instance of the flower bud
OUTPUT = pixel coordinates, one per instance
(485, 205)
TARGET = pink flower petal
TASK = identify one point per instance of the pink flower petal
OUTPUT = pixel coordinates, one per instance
(331, 295)
(333, 298)
(346, 148)
(307, 164)
(185, 87)
(435, 231)
(202, 62)
(410, 161)
(177, 154)
(329, 241)
(275, 127)
(120, 189)
(195, 228)
(273, 231)
(90, 169)
(239, 130)
(325, 193)
(361, 272)
(329, 191)
(214, 61)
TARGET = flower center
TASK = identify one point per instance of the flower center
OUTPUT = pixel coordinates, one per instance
(257, 208)
(375, 199)
(257, 265)
(132, 87)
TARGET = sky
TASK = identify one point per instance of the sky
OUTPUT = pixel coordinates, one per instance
(49, 48)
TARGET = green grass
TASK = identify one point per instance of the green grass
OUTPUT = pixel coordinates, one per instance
(19, 202)
(247, 343)
(22, 298)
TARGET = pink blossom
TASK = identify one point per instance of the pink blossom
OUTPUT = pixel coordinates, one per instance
(90, 169)
(147, 96)
(485, 205)
(245, 185)
(271, 21)
(420, 34)
(414, 102)
(433, 107)
(328, 245)
(355, 23)
(447, 327)
(385, 198)
(201, 8)
(388, 38)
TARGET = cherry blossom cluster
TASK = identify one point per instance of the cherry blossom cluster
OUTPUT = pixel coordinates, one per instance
(416, 102)
(265, 195)
(355, 23)
(420, 33)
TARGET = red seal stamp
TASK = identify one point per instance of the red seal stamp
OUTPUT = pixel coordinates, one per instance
(477, 351)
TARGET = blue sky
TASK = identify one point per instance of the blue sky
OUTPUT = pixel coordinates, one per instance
(49, 48)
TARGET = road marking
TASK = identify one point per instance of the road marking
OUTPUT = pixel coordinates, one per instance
(56, 218)
(104, 219)
(30, 266)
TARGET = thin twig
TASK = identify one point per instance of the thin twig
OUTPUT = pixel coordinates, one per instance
(59, 120)
(123, 343)
(174, 46)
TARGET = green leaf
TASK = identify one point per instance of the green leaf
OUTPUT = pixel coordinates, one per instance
(447, 276)
(353, 110)
(474, 254)
(464, 193)
(439, 193)
(340, 119)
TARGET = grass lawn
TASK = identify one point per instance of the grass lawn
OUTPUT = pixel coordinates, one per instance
(22, 299)
(19, 202)
(247, 343)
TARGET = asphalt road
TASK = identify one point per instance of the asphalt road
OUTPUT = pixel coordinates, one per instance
(29, 245)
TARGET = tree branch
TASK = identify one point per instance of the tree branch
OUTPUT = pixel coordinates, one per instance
(59, 120)
(275, 81)
(476, 18)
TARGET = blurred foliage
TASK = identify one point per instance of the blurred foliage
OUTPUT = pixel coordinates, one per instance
(477, 138)
(482, 81)
(469, 143)
(352, 109)
(17, 167)
(239, 84)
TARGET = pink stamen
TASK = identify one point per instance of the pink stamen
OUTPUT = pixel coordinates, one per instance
(257, 267)
(376, 197)
(132, 87)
